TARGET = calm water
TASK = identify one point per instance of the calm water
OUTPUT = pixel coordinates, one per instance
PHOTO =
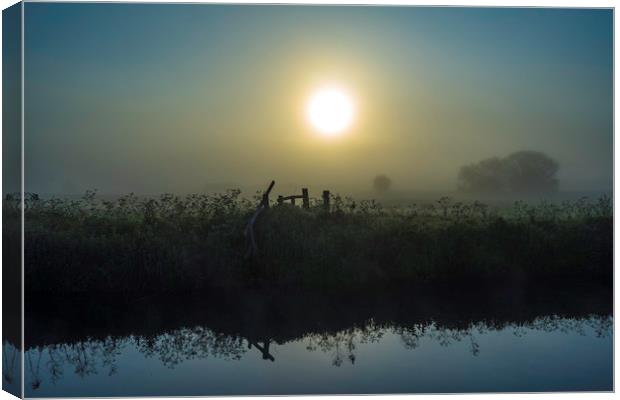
(316, 344)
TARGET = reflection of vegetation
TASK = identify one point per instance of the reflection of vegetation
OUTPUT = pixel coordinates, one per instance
(249, 323)
(34, 368)
(171, 348)
(342, 344)
(9, 356)
(185, 344)
(602, 326)
(81, 338)
(140, 246)
(88, 357)
(84, 356)
(411, 336)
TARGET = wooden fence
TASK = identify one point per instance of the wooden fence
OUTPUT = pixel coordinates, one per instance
(264, 204)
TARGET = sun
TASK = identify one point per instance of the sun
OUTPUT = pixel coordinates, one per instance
(330, 111)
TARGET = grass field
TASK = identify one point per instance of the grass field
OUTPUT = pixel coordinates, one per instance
(137, 246)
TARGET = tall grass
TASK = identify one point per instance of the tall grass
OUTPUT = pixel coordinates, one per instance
(136, 246)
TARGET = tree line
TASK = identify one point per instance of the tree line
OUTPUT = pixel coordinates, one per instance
(519, 172)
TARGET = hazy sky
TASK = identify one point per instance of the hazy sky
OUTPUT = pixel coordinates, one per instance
(154, 98)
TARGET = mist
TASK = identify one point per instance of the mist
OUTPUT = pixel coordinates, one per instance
(170, 98)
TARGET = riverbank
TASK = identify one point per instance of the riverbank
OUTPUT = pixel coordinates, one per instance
(133, 248)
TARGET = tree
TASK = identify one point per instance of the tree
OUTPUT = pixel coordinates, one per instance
(520, 172)
(381, 183)
(532, 172)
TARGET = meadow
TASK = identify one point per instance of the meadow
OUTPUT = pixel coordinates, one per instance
(134, 247)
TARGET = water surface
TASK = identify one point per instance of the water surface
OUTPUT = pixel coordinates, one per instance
(317, 344)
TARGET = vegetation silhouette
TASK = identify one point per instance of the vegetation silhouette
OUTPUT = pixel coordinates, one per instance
(133, 247)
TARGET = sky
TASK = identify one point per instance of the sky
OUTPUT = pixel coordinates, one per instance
(11, 104)
(150, 98)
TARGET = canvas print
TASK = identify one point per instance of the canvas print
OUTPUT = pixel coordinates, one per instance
(232, 199)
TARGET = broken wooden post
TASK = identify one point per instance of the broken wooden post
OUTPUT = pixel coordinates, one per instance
(265, 201)
(264, 349)
(326, 200)
(305, 198)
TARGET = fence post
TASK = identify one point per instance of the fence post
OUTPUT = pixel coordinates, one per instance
(265, 201)
(326, 200)
(305, 198)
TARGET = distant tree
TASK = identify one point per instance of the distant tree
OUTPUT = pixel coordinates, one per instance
(520, 172)
(532, 171)
(486, 176)
(382, 183)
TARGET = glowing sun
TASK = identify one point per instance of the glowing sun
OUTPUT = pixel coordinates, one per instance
(330, 111)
